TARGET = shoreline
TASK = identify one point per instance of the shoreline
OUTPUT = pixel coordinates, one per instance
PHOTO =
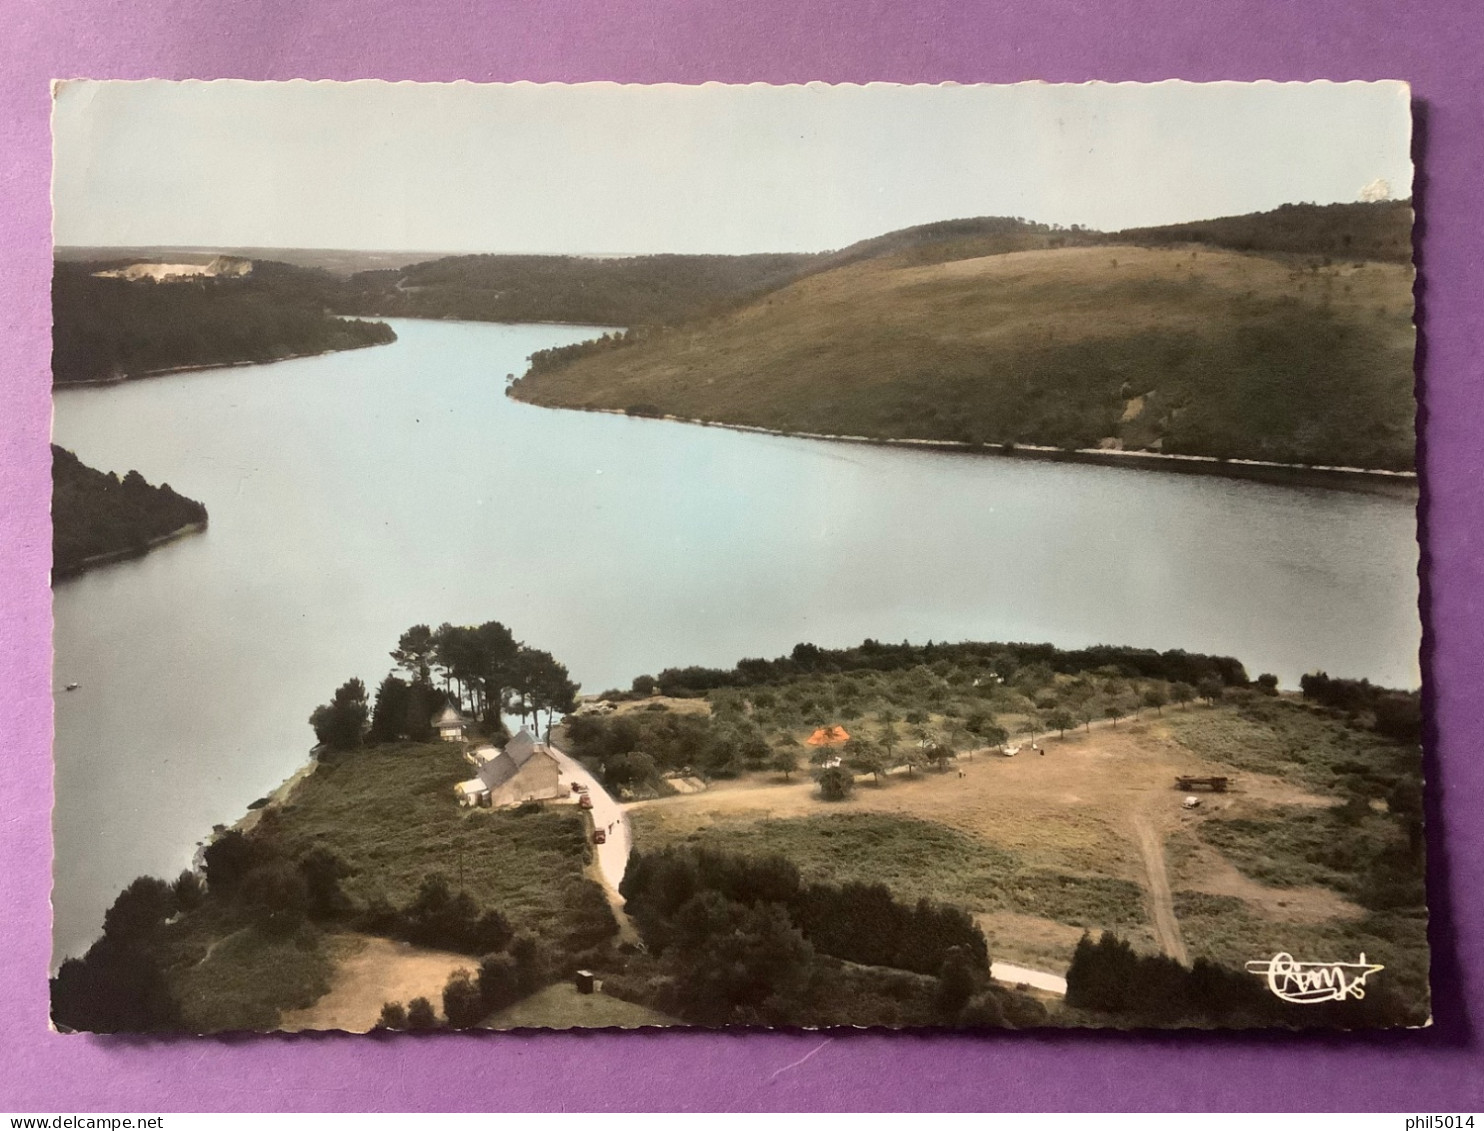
(105, 382)
(129, 553)
(1362, 480)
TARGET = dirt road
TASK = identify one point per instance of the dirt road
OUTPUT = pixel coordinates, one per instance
(1161, 905)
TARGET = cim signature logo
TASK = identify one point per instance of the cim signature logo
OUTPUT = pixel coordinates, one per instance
(1308, 983)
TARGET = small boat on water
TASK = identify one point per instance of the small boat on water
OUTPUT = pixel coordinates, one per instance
(73, 686)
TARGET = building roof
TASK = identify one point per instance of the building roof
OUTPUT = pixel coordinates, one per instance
(450, 716)
(828, 736)
(510, 761)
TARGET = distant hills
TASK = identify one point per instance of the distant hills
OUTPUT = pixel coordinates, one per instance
(1281, 336)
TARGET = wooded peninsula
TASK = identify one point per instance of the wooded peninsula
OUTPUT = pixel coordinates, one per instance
(99, 518)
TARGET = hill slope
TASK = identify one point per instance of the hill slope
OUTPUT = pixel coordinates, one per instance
(1185, 348)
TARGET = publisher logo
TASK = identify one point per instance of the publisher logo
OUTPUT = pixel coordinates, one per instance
(1309, 983)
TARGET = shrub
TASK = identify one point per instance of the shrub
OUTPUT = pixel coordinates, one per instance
(393, 1016)
(420, 1015)
(463, 1004)
(499, 982)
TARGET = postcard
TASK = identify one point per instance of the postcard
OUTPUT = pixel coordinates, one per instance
(559, 556)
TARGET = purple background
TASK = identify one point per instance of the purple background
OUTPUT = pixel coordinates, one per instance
(1436, 46)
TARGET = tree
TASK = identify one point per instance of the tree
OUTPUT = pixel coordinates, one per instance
(414, 653)
(393, 1016)
(835, 783)
(643, 686)
(1061, 720)
(785, 760)
(914, 758)
(1210, 689)
(939, 754)
(140, 909)
(737, 964)
(864, 757)
(956, 984)
(389, 715)
(994, 735)
(463, 1004)
(888, 736)
(341, 724)
(499, 982)
(1155, 697)
(322, 871)
(277, 896)
(1182, 693)
(228, 859)
(420, 1015)
(1267, 683)
(1113, 712)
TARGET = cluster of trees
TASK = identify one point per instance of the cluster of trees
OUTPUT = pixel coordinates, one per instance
(441, 918)
(1381, 231)
(1108, 976)
(861, 923)
(96, 514)
(480, 668)
(120, 984)
(1396, 714)
(1003, 660)
(634, 750)
(107, 329)
(503, 979)
(740, 940)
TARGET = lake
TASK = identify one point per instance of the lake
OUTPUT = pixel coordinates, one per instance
(355, 494)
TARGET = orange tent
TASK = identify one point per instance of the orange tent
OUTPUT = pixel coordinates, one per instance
(828, 736)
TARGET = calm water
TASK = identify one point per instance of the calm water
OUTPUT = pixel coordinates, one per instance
(355, 494)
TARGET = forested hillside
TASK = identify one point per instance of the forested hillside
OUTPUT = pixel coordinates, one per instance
(111, 329)
(556, 288)
(97, 515)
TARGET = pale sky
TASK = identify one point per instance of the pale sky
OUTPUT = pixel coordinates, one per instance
(629, 169)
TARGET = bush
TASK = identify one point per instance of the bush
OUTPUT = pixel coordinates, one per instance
(835, 783)
(393, 1016)
(499, 982)
(420, 1015)
(463, 1004)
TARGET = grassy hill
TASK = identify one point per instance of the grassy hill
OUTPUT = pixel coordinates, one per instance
(997, 336)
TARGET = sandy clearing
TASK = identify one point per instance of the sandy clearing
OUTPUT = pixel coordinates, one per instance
(371, 971)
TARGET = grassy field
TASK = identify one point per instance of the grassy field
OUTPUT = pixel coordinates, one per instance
(1185, 348)
(1288, 738)
(389, 813)
(915, 858)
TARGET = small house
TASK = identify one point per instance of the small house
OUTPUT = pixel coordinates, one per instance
(451, 724)
(526, 770)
